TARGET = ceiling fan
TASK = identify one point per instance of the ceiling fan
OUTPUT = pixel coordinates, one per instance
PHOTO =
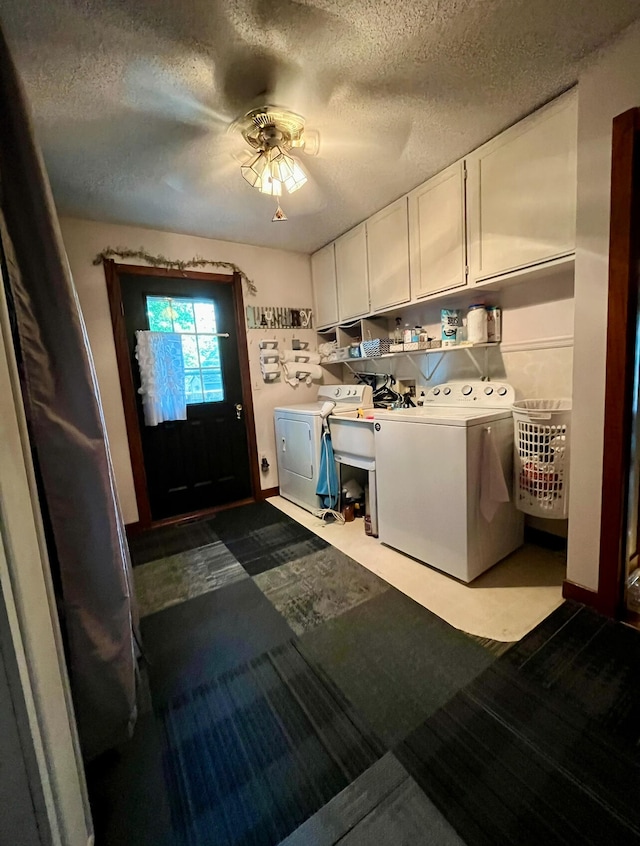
(272, 132)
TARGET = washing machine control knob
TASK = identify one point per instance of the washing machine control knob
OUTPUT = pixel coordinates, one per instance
(336, 393)
(502, 392)
(466, 390)
(435, 391)
(446, 392)
(488, 391)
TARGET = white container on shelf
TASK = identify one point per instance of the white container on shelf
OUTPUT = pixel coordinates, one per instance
(477, 324)
(494, 324)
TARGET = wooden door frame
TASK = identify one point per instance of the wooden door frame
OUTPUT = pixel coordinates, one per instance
(112, 272)
(624, 254)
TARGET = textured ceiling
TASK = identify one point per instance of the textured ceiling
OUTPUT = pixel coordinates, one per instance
(132, 98)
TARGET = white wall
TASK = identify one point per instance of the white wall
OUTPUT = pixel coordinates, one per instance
(283, 279)
(611, 85)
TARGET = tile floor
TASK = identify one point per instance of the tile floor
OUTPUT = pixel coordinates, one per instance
(505, 603)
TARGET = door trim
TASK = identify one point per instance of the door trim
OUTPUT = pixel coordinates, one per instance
(621, 340)
(112, 272)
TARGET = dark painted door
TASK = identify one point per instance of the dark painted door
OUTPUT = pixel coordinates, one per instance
(202, 461)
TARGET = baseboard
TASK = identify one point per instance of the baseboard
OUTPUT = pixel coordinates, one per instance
(133, 528)
(579, 593)
(267, 492)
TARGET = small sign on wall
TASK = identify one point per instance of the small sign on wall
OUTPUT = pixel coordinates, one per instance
(272, 317)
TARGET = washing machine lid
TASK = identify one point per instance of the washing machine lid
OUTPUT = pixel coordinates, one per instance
(443, 415)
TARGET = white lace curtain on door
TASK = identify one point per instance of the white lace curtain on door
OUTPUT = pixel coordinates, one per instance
(161, 365)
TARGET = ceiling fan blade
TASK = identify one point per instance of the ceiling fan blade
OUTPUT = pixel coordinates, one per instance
(205, 164)
(386, 137)
(152, 89)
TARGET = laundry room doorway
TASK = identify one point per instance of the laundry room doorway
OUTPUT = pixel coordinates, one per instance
(186, 467)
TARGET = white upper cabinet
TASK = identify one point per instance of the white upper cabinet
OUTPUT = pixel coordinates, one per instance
(388, 254)
(521, 193)
(437, 233)
(352, 274)
(325, 293)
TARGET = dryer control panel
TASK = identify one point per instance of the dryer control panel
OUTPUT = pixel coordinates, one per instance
(358, 396)
(480, 394)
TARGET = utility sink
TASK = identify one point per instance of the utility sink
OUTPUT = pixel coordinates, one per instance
(353, 440)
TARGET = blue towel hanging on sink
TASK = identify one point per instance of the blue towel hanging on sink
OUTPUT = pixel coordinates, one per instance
(327, 488)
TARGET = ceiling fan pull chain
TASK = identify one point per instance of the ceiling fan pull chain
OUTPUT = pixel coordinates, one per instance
(279, 215)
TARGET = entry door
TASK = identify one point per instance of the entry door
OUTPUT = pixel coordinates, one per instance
(203, 461)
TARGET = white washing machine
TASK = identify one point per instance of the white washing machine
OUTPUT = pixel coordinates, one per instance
(299, 434)
(428, 462)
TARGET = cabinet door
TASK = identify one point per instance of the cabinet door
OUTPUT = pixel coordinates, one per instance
(325, 295)
(388, 256)
(437, 229)
(521, 189)
(352, 274)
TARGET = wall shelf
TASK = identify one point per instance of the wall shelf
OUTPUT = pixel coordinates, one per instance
(355, 364)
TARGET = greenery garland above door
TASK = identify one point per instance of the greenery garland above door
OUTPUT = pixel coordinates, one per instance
(177, 264)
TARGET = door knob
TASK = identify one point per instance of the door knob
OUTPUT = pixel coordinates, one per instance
(238, 411)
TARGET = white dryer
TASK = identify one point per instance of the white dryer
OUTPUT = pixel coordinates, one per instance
(429, 461)
(298, 439)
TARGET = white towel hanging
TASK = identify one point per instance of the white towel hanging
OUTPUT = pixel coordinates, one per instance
(493, 487)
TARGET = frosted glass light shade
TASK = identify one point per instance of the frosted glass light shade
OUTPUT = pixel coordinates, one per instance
(281, 165)
(297, 178)
(269, 169)
(254, 169)
(268, 185)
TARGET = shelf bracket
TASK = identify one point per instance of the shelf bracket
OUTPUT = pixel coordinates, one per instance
(348, 364)
(481, 371)
(428, 376)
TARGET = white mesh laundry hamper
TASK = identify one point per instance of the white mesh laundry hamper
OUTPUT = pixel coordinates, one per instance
(541, 437)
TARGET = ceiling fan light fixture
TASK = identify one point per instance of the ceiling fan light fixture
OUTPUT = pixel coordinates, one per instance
(269, 169)
(273, 132)
(297, 179)
(281, 166)
(269, 185)
(254, 170)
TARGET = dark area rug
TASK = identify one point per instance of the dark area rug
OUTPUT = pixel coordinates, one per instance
(189, 644)
(382, 806)
(254, 753)
(543, 746)
(299, 699)
(318, 587)
(272, 546)
(396, 661)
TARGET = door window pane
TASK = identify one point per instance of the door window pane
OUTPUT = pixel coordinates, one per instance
(205, 317)
(196, 321)
(212, 381)
(159, 314)
(183, 319)
(193, 386)
(190, 351)
(209, 353)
